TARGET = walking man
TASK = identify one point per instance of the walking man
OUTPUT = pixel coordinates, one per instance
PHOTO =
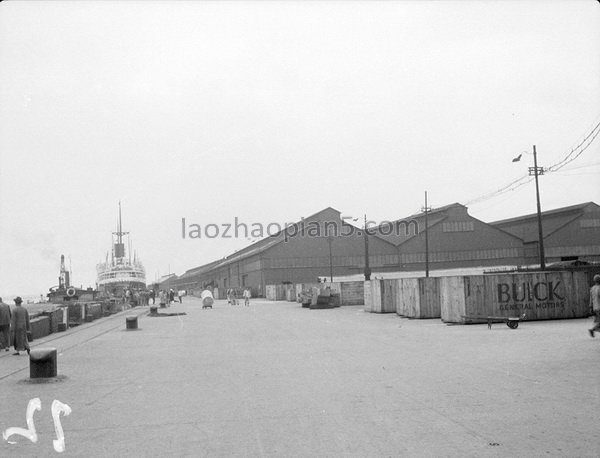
(5, 316)
(595, 304)
(20, 326)
(247, 294)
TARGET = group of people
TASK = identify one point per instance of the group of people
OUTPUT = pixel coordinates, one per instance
(232, 296)
(15, 322)
(136, 297)
(167, 297)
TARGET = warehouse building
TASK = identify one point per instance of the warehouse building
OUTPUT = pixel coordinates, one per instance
(569, 233)
(324, 245)
(165, 282)
(454, 240)
(317, 247)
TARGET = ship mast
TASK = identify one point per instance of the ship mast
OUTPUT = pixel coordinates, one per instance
(119, 247)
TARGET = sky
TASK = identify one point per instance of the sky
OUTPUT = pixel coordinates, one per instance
(271, 111)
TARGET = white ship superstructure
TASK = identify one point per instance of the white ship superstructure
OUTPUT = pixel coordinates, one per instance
(120, 271)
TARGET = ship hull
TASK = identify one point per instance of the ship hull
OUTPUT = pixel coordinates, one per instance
(118, 288)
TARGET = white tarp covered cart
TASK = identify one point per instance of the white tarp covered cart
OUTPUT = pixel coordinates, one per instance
(207, 299)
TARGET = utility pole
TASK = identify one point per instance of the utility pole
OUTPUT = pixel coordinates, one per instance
(426, 210)
(367, 268)
(330, 239)
(536, 171)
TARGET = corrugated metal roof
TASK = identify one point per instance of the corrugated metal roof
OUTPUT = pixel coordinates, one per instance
(258, 246)
(434, 217)
(553, 212)
(526, 228)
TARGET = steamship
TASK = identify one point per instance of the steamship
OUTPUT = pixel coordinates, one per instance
(120, 272)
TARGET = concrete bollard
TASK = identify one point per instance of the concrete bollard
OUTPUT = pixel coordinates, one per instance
(153, 310)
(132, 322)
(42, 363)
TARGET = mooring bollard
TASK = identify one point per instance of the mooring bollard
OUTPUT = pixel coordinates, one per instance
(42, 363)
(131, 322)
(153, 310)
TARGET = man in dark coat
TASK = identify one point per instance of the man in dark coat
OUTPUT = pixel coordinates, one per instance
(20, 326)
(5, 316)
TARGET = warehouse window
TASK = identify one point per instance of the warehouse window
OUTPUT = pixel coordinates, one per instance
(458, 226)
(589, 223)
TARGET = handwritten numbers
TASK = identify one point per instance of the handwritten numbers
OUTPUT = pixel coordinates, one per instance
(30, 433)
(57, 408)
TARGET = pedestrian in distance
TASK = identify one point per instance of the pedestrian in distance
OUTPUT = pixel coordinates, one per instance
(247, 295)
(180, 294)
(152, 296)
(595, 304)
(20, 325)
(5, 317)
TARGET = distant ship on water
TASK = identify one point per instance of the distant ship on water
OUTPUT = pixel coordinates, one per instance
(120, 272)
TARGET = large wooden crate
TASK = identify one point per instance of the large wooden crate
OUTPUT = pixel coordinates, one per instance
(379, 296)
(290, 293)
(270, 292)
(352, 293)
(418, 297)
(389, 295)
(276, 292)
(298, 291)
(408, 296)
(538, 295)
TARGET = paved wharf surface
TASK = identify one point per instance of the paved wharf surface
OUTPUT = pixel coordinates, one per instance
(274, 379)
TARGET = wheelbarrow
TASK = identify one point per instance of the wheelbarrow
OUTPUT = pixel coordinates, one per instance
(511, 321)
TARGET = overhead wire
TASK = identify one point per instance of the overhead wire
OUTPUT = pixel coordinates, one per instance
(583, 166)
(575, 152)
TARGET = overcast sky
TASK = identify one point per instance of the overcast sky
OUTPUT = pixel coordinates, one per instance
(272, 111)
